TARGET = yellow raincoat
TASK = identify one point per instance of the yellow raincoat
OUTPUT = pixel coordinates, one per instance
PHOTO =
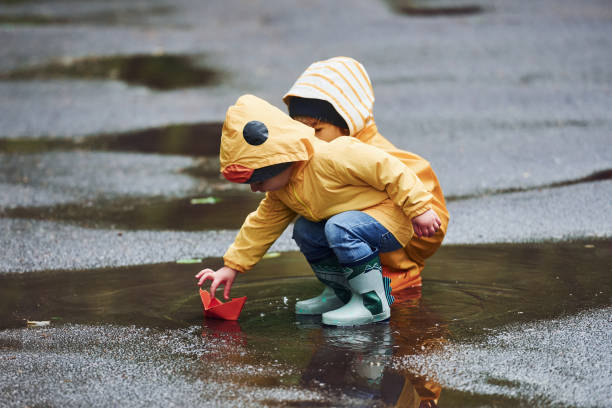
(330, 178)
(345, 84)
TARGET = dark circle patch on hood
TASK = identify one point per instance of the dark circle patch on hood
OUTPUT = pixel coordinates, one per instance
(255, 133)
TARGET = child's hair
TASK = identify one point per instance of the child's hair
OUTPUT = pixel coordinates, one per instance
(317, 109)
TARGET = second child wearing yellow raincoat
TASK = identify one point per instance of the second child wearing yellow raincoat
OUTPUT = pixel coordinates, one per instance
(335, 97)
(361, 201)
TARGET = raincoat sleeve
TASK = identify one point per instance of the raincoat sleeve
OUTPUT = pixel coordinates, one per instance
(258, 232)
(367, 164)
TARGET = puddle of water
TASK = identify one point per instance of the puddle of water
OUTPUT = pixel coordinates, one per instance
(468, 289)
(432, 8)
(159, 72)
(9, 2)
(468, 292)
(501, 284)
(189, 139)
(228, 212)
(195, 139)
(123, 16)
(602, 175)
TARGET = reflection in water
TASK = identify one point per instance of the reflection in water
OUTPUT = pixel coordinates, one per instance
(468, 292)
(227, 336)
(160, 72)
(189, 139)
(150, 213)
(434, 7)
(472, 288)
(131, 16)
(355, 362)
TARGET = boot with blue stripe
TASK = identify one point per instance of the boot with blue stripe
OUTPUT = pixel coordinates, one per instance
(336, 293)
(371, 295)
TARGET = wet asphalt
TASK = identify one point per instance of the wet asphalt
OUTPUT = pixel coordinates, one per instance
(511, 106)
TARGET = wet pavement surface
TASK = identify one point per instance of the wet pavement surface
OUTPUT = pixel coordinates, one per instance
(499, 325)
(110, 202)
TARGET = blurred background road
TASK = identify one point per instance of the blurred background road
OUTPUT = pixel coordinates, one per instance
(510, 101)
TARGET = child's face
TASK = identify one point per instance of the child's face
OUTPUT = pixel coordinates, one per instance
(273, 183)
(323, 130)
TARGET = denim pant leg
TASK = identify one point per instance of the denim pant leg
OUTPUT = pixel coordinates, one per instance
(355, 235)
(310, 237)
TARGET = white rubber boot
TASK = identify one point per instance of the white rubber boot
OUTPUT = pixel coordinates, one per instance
(371, 297)
(335, 294)
(325, 302)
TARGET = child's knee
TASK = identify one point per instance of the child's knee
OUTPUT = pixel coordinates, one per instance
(307, 231)
(300, 228)
(335, 230)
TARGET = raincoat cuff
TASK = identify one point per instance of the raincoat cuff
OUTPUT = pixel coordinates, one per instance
(420, 210)
(233, 265)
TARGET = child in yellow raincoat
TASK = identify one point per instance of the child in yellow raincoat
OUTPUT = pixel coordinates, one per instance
(335, 97)
(355, 201)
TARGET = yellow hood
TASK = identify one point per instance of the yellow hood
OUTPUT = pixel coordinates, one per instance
(344, 83)
(256, 134)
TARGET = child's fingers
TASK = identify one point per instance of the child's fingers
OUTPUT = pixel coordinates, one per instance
(435, 227)
(213, 286)
(201, 281)
(428, 230)
(226, 290)
(208, 274)
(202, 272)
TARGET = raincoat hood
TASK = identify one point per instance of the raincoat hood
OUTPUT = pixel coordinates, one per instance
(344, 83)
(256, 134)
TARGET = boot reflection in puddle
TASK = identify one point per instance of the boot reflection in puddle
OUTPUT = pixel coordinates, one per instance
(356, 362)
(407, 297)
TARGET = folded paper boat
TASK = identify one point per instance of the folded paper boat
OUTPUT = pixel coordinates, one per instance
(213, 307)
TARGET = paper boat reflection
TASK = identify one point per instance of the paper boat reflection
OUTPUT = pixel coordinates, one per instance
(214, 308)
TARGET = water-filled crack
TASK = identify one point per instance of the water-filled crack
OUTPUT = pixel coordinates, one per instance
(594, 177)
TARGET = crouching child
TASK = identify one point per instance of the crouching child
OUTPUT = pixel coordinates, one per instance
(354, 200)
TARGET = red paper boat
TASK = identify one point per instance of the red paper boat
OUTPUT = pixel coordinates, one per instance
(213, 307)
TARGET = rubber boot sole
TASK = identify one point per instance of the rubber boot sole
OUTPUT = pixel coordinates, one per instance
(359, 321)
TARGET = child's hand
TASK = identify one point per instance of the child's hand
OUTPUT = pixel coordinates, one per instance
(426, 224)
(225, 275)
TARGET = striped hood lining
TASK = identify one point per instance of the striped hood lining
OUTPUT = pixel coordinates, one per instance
(343, 82)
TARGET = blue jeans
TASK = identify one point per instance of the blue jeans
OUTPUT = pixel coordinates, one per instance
(351, 236)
